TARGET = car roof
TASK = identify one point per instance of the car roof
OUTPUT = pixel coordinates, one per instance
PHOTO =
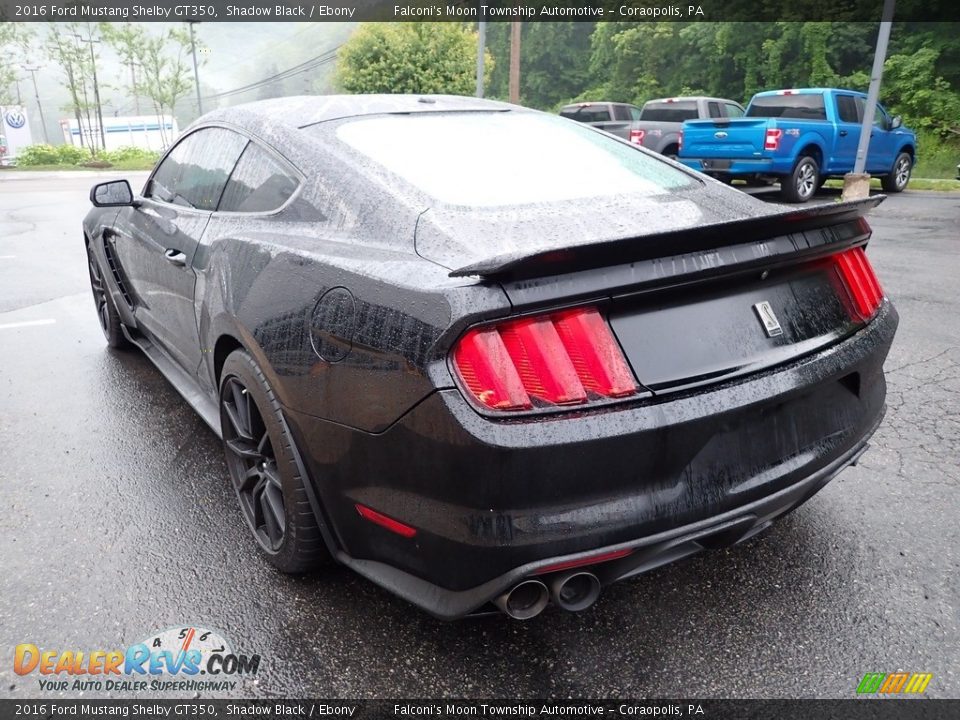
(807, 91)
(304, 110)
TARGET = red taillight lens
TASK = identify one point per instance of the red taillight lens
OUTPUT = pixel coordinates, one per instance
(559, 359)
(771, 140)
(680, 141)
(636, 136)
(595, 353)
(488, 372)
(861, 281)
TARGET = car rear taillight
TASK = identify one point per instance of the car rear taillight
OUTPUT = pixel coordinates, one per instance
(566, 358)
(680, 141)
(771, 140)
(636, 137)
(861, 282)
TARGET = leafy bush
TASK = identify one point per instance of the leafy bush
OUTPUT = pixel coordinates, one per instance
(52, 155)
(128, 154)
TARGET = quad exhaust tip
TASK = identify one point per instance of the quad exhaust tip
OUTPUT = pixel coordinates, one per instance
(524, 600)
(575, 591)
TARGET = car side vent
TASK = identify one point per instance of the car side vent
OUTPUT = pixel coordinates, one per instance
(115, 269)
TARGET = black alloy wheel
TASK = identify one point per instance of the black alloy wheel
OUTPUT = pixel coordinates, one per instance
(253, 465)
(106, 311)
(266, 476)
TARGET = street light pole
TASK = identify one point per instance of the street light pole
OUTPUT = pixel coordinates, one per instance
(32, 69)
(196, 72)
(481, 49)
(856, 185)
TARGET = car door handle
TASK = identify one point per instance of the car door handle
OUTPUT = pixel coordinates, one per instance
(175, 257)
(843, 133)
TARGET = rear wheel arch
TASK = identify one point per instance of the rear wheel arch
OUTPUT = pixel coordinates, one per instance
(225, 345)
(671, 149)
(811, 150)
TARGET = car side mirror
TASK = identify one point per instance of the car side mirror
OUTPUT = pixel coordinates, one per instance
(896, 122)
(116, 193)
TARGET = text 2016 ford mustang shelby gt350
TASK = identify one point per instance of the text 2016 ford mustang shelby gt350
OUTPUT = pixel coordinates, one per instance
(485, 355)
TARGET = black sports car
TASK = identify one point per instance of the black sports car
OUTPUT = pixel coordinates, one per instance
(485, 355)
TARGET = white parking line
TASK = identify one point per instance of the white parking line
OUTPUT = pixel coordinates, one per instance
(27, 323)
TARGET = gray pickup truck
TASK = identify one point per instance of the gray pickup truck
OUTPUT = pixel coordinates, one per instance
(656, 126)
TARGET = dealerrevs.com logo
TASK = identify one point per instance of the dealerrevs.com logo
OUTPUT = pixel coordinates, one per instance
(189, 659)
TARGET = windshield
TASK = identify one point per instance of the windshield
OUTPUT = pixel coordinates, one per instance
(507, 158)
(669, 111)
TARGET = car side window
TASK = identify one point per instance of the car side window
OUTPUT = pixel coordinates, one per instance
(733, 111)
(880, 118)
(847, 109)
(714, 108)
(634, 113)
(196, 170)
(260, 183)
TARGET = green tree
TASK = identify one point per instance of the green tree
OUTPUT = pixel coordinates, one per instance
(167, 71)
(14, 42)
(127, 41)
(410, 58)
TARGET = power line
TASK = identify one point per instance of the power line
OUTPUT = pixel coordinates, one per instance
(310, 64)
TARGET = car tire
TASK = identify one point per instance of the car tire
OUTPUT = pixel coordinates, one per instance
(263, 469)
(800, 185)
(107, 314)
(899, 175)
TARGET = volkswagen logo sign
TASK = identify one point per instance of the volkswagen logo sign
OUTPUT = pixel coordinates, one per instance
(15, 119)
(720, 135)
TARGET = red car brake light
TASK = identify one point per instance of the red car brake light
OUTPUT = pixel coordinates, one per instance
(559, 359)
(680, 141)
(636, 137)
(771, 140)
(861, 282)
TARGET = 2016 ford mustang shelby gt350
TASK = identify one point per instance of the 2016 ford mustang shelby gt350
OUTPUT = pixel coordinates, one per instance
(488, 356)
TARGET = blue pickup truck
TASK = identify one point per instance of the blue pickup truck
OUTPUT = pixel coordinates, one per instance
(800, 138)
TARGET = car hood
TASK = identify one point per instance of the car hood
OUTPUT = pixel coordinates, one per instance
(455, 237)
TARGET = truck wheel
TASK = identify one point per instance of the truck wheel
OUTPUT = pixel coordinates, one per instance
(899, 175)
(800, 185)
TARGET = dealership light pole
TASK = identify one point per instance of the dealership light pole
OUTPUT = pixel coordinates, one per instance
(196, 72)
(32, 69)
(857, 184)
(481, 49)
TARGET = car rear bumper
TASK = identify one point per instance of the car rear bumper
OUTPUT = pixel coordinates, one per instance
(738, 166)
(494, 502)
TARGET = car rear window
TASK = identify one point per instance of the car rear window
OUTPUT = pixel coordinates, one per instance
(676, 111)
(506, 158)
(808, 106)
(586, 114)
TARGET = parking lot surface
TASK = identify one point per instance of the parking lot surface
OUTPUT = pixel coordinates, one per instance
(118, 520)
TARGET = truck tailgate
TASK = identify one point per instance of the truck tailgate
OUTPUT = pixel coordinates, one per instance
(735, 138)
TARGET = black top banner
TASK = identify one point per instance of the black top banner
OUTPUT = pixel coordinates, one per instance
(439, 709)
(489, 10)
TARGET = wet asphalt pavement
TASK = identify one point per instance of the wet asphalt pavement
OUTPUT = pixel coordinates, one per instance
(117, 519)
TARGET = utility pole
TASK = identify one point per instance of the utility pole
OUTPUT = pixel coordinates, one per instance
(19, 96)
(32, 69)
(857, 184)
(196, 72)
(481, 49)
(96, 88)
(515, 61)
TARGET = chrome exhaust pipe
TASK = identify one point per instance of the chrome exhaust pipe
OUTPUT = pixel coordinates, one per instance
(575, 591)
(524, 600)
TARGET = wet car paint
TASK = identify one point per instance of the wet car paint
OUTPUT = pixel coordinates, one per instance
(260, 285)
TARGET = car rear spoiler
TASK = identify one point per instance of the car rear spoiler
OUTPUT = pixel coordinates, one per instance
(518, 265)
